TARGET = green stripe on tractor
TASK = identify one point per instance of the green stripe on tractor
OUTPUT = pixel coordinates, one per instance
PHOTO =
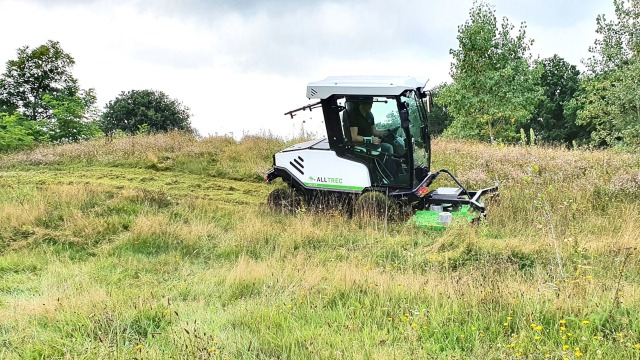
(335, 187)
(430, 219)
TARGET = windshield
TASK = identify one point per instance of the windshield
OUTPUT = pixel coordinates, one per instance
(371, 126)
(392, 119)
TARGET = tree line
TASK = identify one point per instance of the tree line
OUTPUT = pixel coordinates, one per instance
(499, 93)
(41, 102)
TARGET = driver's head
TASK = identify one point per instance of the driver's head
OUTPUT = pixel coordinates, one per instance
(365, 105)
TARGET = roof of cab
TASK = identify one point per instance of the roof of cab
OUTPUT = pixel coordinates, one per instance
(363, 85)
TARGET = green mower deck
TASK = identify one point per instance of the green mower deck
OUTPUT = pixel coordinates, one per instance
(429, 219)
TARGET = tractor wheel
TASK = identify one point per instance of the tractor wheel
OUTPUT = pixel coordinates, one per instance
(375, 206)
(404, 211)
(283, 201)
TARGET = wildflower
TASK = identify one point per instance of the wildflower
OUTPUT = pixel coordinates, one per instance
(511, 346)
(138, 347)
(461, 336)
(167, 312)
(414, 325)
(563, 322)
(539, 328)
(390, 318)
(563, 329)
(637, 346)
(585, 322)
(505, 324)
(481, 335)
(509, 318)
(537, 338)
(569, 334)
(212, 350)
(578, 353)
(565, 347)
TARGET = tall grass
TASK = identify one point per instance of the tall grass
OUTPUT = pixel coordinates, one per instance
(161, 247)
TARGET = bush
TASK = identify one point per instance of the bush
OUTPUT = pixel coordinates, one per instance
(15, 134)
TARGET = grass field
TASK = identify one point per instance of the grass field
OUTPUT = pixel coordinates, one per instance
(161, 247)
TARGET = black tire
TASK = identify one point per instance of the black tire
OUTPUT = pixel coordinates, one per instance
(283, 201)
(375, 206)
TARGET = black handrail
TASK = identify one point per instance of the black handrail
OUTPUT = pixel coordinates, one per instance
(304, 108)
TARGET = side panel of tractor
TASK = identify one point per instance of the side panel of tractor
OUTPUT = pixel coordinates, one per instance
(323, 169)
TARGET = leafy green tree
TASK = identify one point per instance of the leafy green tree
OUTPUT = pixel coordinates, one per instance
(74, 118)
(439, 117)
(40, 87)
(609, 102)
(145, 109)
(619, 40)
(553, 122)
(15, 133)
(45, 70)
(495, 86)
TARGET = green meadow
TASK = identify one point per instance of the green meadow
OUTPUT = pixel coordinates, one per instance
(162, 246)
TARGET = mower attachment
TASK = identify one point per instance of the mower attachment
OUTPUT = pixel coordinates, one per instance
(458, 202)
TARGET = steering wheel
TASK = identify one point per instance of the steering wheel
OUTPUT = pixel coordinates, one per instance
(390, 136)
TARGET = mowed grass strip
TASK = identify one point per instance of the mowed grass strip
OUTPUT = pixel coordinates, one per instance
(111, 257)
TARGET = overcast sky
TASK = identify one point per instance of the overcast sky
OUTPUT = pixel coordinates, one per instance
(239, 65)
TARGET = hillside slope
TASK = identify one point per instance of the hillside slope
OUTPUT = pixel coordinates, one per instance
(161, 246)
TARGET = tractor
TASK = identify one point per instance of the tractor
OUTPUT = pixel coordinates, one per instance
(376, 158)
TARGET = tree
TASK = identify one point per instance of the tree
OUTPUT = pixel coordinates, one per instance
(39, 87)
(45, 70)
(609, 102)
(494, 90)
(554, 121)
(74, 118)
(619, 39)
(149, 109)
(439, 117)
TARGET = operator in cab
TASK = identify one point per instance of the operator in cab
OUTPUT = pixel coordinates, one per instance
(364, 131)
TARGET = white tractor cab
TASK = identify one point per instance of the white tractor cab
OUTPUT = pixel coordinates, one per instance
(376, 158)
